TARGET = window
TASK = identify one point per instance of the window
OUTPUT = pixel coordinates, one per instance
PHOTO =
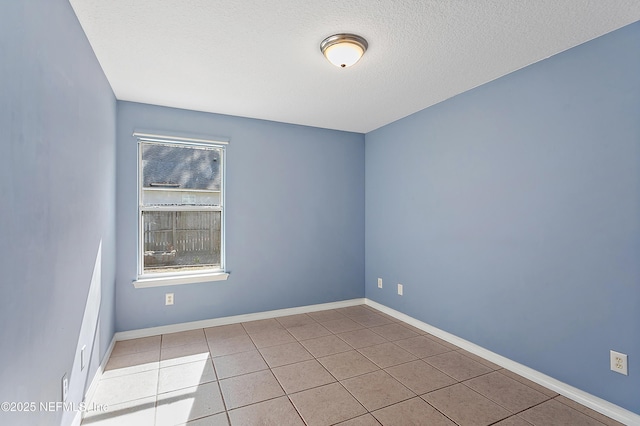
(181, 210)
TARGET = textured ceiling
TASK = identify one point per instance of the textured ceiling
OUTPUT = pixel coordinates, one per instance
(261, 59)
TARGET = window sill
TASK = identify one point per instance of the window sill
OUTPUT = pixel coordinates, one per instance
(180, 279)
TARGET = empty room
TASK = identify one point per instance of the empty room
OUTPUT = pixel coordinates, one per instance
(398, 212)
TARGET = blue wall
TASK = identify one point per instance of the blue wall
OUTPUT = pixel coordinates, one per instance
(57, 216)
(511, 215)
(295, 209)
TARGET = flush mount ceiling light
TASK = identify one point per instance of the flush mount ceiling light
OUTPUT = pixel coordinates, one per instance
(343, 50)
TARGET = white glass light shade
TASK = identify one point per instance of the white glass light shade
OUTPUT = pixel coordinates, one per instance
(343, 50)
(344, 54)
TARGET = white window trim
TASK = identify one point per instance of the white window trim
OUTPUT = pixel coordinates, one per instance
(179, 279)
(167, 279)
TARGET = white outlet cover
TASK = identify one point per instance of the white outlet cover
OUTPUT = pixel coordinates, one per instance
(168, 299)
(619, 363)
(400, 289)
(379, 282)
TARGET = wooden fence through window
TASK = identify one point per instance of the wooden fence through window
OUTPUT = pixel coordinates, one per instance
(183, 232)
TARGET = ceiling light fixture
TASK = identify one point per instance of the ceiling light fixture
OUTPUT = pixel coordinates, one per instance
(343, 50)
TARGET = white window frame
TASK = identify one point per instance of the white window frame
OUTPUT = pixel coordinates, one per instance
(185, 277)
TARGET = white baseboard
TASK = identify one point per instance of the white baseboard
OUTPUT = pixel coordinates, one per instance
(94, 382)
(595, 403)
(77, 419)
(96, 377)
(186, 326)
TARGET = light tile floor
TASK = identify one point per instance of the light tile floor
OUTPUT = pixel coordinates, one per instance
(350, 366)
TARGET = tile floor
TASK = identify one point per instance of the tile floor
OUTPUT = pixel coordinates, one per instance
(350, 366)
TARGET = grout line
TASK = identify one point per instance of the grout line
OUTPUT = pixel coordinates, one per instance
(582, 412)
(295, 408)
(527, 409)
(155, 408)
(435, 408)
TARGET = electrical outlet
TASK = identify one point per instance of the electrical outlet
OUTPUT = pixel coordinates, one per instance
(400, 289)
(65, 387)
(379, 282)
(619, 362)
(168, 299)
(83, 359)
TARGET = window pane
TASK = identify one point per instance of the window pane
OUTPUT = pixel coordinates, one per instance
(180, 167)
(181, 241)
